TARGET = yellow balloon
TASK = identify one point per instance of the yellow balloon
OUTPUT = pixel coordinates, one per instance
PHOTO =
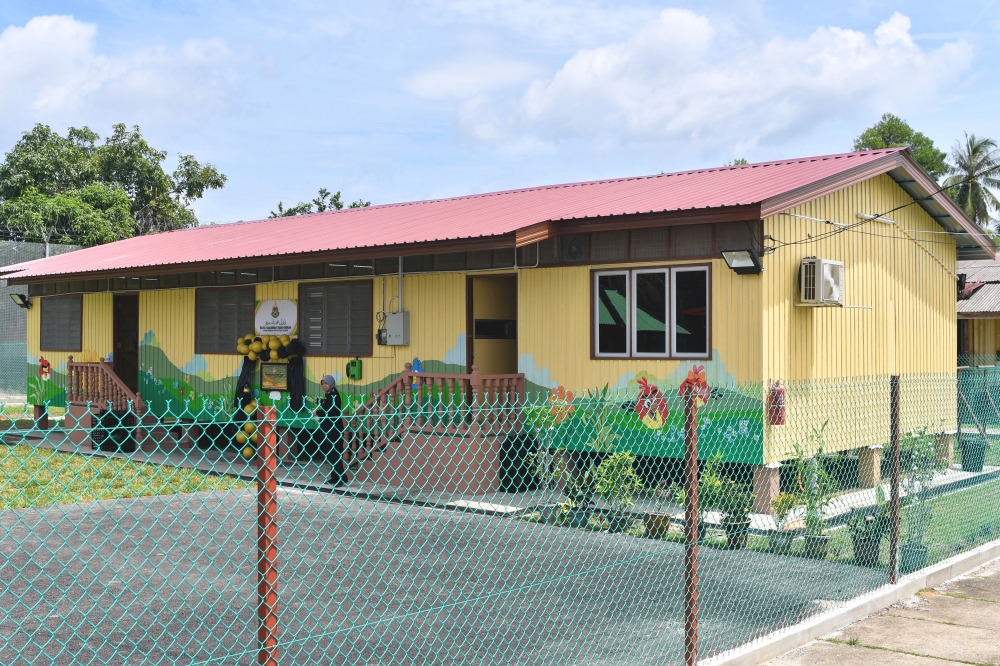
(255, 438)
(251, 355)
(285, 340)
(249, 427)
(241, 438)
(247, 452)
(274, 344)
(257, 347)
(249, 408)
(243, 349)
(265, 338)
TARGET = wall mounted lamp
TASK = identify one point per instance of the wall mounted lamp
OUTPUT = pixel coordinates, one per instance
(743, 262)
(21, 300)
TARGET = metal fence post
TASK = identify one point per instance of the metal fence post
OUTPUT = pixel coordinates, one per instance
(267, 549)
(690, 527)
(894, 456)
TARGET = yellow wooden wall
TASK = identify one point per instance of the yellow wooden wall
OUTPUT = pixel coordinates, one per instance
(97, 332)
(554, 328)
(985, 338)
(836, 361)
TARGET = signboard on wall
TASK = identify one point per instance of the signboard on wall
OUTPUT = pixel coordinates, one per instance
(276, 317)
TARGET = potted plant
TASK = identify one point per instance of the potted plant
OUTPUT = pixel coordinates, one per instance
(781, 539)
(658, 522)
(916, 480)
(735, 501)
(818, 488)
(548, 467)
(709, 490)
(580, 489)
(867, 528)
(617, 484)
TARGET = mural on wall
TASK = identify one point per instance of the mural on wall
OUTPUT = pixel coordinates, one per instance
(647, 412)
(191, 390)
(47, 383)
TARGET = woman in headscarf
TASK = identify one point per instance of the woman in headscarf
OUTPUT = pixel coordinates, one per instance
(331, 428)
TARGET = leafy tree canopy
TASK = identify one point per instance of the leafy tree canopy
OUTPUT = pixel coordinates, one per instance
(892, 131)
(71, 189)
(323, 202)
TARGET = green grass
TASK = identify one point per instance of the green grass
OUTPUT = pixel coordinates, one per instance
(32, 477)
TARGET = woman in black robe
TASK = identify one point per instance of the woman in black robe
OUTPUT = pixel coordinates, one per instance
(331, 429)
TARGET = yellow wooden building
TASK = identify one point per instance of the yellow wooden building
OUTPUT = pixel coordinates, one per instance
(620, 283)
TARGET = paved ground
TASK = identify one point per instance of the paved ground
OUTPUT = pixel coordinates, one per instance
(172, 579)
(956, 623)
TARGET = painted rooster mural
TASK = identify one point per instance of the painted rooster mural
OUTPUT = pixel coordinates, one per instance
(651, 405)
(44, 369)
(697, 384)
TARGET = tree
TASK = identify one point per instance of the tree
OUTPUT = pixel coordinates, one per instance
(892, 131)
(324, 202)
(72, 190)
(974, 177)
(737, 162)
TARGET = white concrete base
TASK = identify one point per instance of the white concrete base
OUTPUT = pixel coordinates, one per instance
(769, 647)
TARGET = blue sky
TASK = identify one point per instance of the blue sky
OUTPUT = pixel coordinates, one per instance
(396, 101)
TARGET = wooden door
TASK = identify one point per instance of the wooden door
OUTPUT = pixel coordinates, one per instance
(126, 324)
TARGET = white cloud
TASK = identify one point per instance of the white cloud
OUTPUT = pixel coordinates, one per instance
(672, 80)
(50, 71)
(467, 76)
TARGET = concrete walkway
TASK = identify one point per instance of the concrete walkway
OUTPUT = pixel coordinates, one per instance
(955, 623)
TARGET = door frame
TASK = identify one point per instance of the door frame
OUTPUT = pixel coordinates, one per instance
(470, 319)
(116, 334)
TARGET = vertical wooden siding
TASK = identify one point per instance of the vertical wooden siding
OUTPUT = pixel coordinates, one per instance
(554, 327)
(906, 322)
(97, 334)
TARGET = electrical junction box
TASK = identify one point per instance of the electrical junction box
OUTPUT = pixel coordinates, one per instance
(397, 328)
(354, 369)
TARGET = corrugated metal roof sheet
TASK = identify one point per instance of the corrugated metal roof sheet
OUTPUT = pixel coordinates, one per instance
(474, 216)
(980, 270)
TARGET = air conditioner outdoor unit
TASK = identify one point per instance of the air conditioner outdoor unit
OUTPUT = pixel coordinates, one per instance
(821, 282)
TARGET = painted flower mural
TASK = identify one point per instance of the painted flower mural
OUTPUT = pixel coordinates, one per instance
(560, 405)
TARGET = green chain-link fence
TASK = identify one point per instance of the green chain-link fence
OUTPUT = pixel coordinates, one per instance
(480, 525)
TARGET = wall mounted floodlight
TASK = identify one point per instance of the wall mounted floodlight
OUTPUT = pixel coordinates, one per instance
(21, 300)
(743, 262)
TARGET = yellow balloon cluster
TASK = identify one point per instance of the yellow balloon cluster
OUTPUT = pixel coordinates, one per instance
(247, 436)
(267, 347)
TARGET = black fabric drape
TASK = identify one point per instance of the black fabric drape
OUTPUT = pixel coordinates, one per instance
(296, 383)
(244, 380)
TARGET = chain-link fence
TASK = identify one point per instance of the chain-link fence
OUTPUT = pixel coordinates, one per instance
(443, 522)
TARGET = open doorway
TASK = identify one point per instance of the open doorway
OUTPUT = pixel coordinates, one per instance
(492, 324)
(126, 359)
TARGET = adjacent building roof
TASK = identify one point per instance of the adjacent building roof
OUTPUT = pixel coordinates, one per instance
(520, 216)
(981, 297)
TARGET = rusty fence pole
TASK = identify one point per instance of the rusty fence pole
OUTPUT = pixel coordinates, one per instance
(267, 537)
(894, 457)
(690, 528)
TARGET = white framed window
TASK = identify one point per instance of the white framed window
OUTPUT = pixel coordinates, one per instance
(689, 312)
(658, 312)
(611, 314)
(650, 312)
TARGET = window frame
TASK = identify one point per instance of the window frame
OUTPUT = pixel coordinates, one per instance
(197, 290)
(634, 311)
(595, 309)
(630, 272)
(371, 321)
(41, 323)
(708, 311)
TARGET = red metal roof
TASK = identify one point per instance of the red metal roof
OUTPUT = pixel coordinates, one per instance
(474, 216)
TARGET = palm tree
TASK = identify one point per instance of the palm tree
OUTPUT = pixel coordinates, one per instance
(974, 176)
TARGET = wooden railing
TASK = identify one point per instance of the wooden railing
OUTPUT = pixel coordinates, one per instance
(90, 383)
(434, 401)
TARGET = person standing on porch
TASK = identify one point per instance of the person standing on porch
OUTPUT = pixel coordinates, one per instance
(331, 428)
